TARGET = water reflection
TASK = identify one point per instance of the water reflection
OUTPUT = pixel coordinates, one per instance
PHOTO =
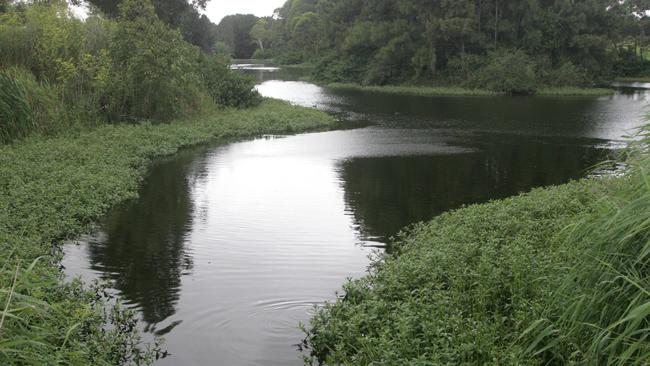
(141, 248)
(383, 201)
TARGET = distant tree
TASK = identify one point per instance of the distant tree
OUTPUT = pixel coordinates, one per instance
(235, 31)
(383, 41)
(262, 32)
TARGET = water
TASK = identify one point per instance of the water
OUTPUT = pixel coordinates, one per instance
(229, 247)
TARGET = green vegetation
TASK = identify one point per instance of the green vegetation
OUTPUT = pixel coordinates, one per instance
(66, 87)
(634, 79)
(514, 47)
(182, 15)
(556, 276)
(72, 74)
(458, 290)
(413, 90)
(54, 189)
(456, 91)
(572, 91)
(234, 31)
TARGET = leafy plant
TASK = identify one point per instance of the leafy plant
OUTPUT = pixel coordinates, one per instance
(508, 71)
(227, 89)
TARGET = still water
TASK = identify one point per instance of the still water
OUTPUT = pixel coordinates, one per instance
(229, 247)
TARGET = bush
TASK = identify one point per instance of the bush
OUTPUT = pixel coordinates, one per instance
(76, 73)
(566, 74)
(463, 70)
(335, 68)
(628, 63)
(262, 55)
(225, 87)
(154, 73)
(508, 71)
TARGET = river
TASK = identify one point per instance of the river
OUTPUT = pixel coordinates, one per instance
(229, 247)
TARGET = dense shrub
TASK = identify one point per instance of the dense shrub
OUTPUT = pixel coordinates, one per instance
(100, 70)
(335, 69)
(463, 70)
(507, 71)
(628, 63)
(565, 74)
(227, 89)
(154, 71)
(262, 55)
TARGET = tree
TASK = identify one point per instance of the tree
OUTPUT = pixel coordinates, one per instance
(235, 31)
(179, 14)
(261, 32)
(154, 71)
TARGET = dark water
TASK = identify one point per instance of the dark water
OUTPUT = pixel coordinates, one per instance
(229, 247)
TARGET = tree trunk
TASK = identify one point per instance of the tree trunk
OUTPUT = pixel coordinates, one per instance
(496, 22)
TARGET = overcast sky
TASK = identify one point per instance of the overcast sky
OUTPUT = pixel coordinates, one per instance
(217, 9)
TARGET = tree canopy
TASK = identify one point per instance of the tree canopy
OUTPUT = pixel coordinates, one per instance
(387, 41)
(235, 32)
(179, 14)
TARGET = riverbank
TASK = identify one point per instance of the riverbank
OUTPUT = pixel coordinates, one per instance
(54, 189)
(458, 91)
(634, 79)
(555, 276)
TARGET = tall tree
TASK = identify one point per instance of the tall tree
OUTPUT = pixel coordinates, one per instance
(180, 14)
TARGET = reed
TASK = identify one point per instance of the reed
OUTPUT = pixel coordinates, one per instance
(601, 312)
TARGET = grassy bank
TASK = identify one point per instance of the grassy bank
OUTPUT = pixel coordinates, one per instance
(634, 79)
(413, 90)
(53, 189)
(457, 91)
(572, 91)
(556, 276)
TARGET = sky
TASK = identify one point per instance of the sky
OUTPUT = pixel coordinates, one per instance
(217, 9)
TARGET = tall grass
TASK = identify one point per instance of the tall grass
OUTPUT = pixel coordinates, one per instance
(31, 106)
(16, 117)
(601, 313)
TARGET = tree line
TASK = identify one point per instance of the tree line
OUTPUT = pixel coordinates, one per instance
(473, 42)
